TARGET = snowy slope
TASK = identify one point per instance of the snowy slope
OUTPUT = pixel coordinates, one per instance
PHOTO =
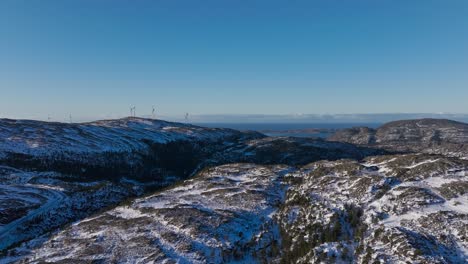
(33, 203)
(51, 173)
(123, 135)
(389, 209)
(330, 202)
(223, 214)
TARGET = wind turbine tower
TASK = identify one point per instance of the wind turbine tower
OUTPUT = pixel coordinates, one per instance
(132, 111)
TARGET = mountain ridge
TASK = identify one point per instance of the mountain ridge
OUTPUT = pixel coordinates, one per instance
(199, 195)
(437, 136)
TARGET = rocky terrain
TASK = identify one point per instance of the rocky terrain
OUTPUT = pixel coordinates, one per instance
(246, 198)
(387, 209)
(53, 173)
(435, 136)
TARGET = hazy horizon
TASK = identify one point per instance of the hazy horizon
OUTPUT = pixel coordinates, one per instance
(271, 119)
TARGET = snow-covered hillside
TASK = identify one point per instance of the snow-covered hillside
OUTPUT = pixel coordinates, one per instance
(33, 203)
(130, 134)
(146, 191)
(389, 209)
(223, 214)
(53, 173)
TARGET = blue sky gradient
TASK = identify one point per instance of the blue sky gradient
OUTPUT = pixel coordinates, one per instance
(96, 58)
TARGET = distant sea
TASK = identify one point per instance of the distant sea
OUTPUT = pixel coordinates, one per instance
(285, 129)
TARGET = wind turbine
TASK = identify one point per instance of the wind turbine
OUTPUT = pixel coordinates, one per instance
(154, 113)
(70, 119)
(186, 116)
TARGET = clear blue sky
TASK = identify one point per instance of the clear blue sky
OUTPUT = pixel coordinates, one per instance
(96, 58)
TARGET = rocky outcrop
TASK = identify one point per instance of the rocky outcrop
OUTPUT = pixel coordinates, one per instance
(437, 136)
(251, 198)
(384, 209)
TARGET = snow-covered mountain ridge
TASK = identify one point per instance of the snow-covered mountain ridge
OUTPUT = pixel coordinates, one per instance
(54, 173)
(37, 138)
(251, 198)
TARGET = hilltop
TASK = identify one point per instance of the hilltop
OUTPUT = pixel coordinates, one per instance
(436, 136)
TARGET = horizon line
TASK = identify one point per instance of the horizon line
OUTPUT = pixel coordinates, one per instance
(264, 118)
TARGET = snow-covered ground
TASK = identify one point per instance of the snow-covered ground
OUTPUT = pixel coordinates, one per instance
(50, 173)
(412, 208)
(379, 209)
(32, 203)
(223, 214)
(123, 135)
(331, 202)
